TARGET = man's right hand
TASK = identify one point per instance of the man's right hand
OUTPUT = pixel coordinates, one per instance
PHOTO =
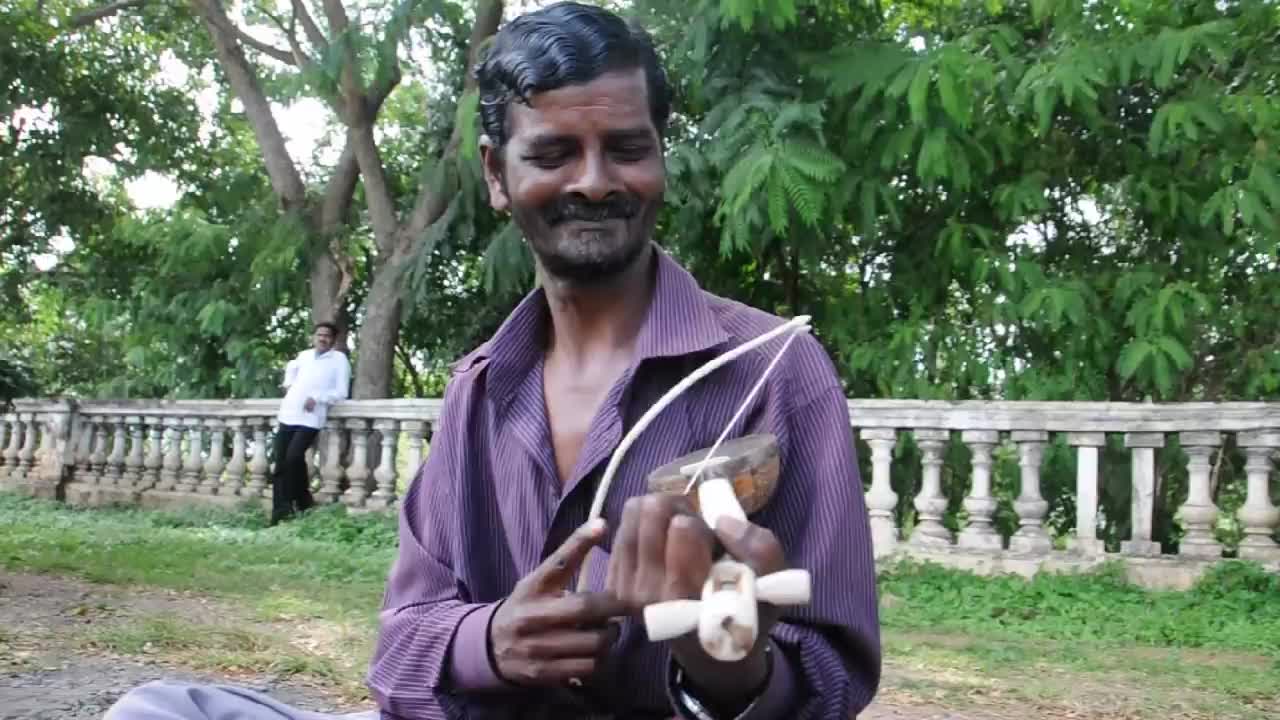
(543, 635)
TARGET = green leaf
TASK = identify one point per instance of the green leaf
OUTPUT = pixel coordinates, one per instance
(919, 94)
(1132, 357)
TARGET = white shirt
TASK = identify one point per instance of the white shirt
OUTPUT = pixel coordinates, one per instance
(322, 377)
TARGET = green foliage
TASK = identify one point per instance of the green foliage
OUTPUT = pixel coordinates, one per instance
(1235, 605)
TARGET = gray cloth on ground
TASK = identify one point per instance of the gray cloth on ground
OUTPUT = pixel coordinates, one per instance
(169, 700)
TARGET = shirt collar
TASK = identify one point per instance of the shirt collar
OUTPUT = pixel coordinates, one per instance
(679, 321)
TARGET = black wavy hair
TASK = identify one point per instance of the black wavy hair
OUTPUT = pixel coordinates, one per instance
(566, 43)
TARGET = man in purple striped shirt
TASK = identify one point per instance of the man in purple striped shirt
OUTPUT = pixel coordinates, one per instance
(478, 619)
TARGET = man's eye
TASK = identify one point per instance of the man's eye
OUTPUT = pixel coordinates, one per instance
(632, 152)
(547, 159)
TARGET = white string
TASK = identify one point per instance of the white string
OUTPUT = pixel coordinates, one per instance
(797, 324)
(742, 409)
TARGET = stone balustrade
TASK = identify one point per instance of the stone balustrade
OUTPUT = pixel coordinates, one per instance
(181, 453)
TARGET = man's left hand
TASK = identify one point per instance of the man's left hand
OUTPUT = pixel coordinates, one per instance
(663, 551)
(309, 405)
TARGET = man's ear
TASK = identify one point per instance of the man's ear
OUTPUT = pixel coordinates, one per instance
(491, 158)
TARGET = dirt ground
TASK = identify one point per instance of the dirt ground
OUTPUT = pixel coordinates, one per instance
(52, 669)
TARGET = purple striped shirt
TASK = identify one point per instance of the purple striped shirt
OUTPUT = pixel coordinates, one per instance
(488, 505)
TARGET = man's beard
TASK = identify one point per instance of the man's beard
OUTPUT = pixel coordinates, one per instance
(588, 257)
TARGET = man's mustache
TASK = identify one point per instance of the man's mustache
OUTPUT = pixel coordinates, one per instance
(618, 207)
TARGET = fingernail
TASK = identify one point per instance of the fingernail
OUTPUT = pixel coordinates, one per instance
(595, 526)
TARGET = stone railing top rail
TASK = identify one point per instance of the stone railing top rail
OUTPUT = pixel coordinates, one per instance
(1096, 417)
(394, 409)
(1254, 418)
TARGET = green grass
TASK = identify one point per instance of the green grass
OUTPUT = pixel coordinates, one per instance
(1057, 641)
(1235, 606)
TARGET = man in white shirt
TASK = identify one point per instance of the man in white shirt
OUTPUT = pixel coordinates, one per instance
(314, 380)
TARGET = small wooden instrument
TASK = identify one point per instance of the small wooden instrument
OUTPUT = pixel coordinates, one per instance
(738, 481)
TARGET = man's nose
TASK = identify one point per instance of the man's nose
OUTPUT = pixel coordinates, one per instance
(596, 178)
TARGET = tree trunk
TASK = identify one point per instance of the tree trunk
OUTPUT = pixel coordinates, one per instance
(379, 332)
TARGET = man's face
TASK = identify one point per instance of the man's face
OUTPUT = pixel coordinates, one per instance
(582, 174)
(322, 339)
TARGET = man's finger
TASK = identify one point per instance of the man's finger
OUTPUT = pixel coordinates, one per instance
(688, 561)
(558, 569)
(586, 609)
(751, 544)
(572, 644)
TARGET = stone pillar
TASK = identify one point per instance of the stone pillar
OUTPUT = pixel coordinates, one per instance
(152, 459)
(258, 466)
(27, 455)
(131, 478)
(979, 533)
(1086, 541)
(331, 473)
(171, 466)
(214, 464)
(881, 499)
(358, 471)
(930, 503)
(192, 463)
(115, 461)
(1143, 462)
(384, 496)
(98, 458)
(14, 448)
(1198, 514)
(413, 456)
(1031, 538)
(84, 450)
(6, 421)
(1259, 515)
(236, 467)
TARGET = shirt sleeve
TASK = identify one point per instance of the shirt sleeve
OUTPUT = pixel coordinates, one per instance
(290, 373)
(826, 655)
(422, 643)
(341, 383)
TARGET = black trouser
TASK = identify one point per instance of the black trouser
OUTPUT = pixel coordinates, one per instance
(290, 484)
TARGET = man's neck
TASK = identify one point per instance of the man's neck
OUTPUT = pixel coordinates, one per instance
(599, 321)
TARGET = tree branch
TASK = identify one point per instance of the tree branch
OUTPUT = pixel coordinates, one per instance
(283, 56)
(283, 174)
(309, 27)
(89, 17)
(432, 201)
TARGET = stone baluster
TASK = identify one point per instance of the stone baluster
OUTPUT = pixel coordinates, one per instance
(153, 459)
(258, 465)
(236, 466)
(27, 455)
(331, 473)
(171, 467)
(1086, 541)
(881, 500)
(358, 471)
(131, 478)
(84, 450)
(6, 423)
(1142, 448)
(1199, 515)
(413, 456)
(979, 533)
(192, 464)
(115, 461)
(384, 495)
(98, 458)
(14, 448)
(214, 464)
(1031, 537)
(930, 503)
(1259, 515)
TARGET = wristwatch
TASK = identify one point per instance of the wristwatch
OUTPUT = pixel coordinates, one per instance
(689, 706)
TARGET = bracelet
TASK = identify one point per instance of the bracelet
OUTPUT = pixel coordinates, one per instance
(691, 707)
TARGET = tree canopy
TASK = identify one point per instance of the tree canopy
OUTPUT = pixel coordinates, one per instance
(1045, 200)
